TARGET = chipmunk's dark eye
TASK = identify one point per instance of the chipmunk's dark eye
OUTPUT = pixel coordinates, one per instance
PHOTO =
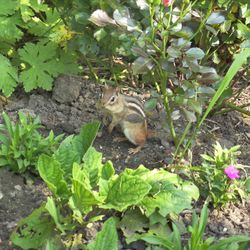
(112, 99)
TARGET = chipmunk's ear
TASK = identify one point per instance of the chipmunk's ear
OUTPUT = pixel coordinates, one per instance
(117, 90)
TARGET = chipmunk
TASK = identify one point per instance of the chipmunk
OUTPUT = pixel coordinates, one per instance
(127, 112)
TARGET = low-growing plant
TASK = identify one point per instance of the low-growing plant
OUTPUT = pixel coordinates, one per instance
(219, 176)
(22, 143)
(196, 240)
(85, 190)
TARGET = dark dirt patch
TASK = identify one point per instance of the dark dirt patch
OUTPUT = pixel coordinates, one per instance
(66, 114)
(17, 200)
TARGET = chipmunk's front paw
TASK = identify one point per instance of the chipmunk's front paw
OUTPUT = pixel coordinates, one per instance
(133, 151)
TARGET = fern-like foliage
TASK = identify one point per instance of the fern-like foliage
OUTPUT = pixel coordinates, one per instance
(31, 40)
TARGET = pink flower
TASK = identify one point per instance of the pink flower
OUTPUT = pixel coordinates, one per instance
(167, 2)
(232, 172)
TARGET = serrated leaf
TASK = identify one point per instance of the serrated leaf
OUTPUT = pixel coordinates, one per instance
(42, 65)
(51, 172)
(9, 30)
(125, 191)
(195, 53)
(33, 231)
(8, 76)
(8, 7)
(107, 238)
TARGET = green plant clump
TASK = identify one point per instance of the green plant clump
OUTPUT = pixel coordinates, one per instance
(85, 190)
(22, 143)
(219, 178)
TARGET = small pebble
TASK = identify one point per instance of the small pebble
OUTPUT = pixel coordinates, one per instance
(18, 187)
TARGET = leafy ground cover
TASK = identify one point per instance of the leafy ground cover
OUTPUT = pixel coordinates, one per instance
(230, 130)
(188, 61)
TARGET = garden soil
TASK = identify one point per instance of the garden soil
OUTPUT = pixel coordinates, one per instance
(70, 105)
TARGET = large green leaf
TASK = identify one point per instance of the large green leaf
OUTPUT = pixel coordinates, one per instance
(85, 139)
(107, 238)
(82, 197)
(41, 65)
(66, 154)
(51, 172)
(8, 76)
(93, 165)
(125, 191)
(33, 231)
(167, 202)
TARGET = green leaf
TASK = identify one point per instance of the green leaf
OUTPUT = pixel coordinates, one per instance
(142, 65)
(41, 66)
(157, 240)
(107, 170)
(33, 231)
(66, 154)
(8, 76)
(195, 106)
(107, 238)
(189, 115)
(195, 53)
(93, 165)
(150, 104)
(51, 172)
(191, 190)
(125, 191)
(100, 34)
(85, 139)
(222, 244)
(216, 18)
(53, 211)
(243, 30)
(173, 201)
(82, 197)
(8, 8)
(129, 228)
(82, 18)
(247, 184)
(9, 30)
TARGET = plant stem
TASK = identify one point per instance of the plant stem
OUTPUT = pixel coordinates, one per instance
(167, 107)
(91, 68)
(233, 107)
